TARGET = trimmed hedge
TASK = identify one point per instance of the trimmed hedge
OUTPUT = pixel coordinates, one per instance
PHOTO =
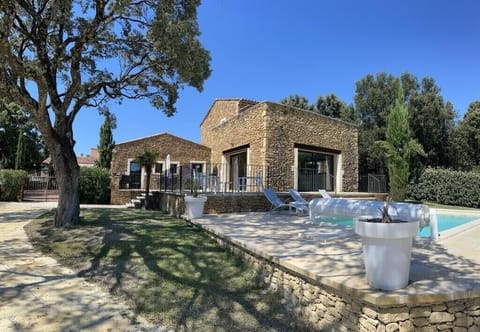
(94, 185)
(447, 187)
(11, 184)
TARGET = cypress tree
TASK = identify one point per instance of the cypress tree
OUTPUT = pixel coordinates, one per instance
(20, 156)
(398, 147)
(107, 143)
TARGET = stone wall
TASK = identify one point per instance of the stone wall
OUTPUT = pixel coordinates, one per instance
(245, 128)
(286, 127)
(180, 150)
(221, 109)
(271, 132)
(121, 196)
(174, 204)
(330, 309)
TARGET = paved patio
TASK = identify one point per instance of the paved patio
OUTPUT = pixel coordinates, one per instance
(38, 294)
(441, 271)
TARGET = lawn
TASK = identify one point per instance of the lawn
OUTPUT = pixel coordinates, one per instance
(168, 270)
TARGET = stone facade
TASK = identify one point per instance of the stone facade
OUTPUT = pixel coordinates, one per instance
(326, 308)
(181, 151)
(272, 133)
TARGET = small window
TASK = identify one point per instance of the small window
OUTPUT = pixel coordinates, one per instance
(134, 167)
(197, 167)
(173, 168)
(158, 168)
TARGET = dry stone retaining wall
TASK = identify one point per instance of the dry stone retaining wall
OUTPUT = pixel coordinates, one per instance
(329, 309)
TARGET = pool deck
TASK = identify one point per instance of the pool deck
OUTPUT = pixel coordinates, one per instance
(444, 270)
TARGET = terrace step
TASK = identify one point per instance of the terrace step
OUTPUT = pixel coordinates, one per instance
(136, 203)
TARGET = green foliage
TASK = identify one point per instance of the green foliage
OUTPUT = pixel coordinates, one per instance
(59, 57)
(20, 157)
(147, 159)
(374, 97)
(432, 124)
(332, 106)
(107, 143)
(297, 101)
(468, 138)
(94, 185)
(11, 184)
(447, 187)
(397, 148)
(21, 146)
(431, 121)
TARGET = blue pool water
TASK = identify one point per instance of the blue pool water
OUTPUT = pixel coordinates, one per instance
(445, 221)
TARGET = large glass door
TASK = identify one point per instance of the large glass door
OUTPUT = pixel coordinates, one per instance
(315, 171)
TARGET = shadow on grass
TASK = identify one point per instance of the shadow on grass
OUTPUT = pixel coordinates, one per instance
(174, 274)
(169, 271)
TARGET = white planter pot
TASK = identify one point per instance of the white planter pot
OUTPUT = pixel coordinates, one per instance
(386, 252)
(194, 206)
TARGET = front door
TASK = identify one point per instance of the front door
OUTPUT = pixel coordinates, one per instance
(238, 171)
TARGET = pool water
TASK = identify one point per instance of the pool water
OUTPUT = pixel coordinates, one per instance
(445, 221)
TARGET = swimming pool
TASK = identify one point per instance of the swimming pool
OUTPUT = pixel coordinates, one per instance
(445, 221)
(448, 221)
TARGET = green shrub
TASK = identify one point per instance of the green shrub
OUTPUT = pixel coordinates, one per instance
(94, 185)
(11, 184)
(447, 187)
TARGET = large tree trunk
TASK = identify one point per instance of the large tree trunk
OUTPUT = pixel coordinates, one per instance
(67, 174)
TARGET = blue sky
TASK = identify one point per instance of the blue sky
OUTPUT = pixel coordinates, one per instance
(270, 49)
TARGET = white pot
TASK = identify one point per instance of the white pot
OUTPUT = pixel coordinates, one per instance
(194, 206)
(387, 251)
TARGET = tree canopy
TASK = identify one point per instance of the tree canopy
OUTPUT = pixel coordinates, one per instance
(21, 145)
(468, 138)
(332, 106)
(431, 121)
(296, 101)
(60, 56)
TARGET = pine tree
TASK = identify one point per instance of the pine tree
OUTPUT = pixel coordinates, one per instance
(106, 139)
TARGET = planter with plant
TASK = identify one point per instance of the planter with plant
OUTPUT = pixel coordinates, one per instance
(387, 246)
(194, 203)
(386, 242)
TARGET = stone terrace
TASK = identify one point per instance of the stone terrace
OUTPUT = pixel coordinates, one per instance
(319, 270)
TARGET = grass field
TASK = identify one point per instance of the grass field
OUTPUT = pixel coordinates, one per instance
(169, 271)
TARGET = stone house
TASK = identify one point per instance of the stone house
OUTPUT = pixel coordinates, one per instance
(306, 150)
(176, 151)
(247, 145)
